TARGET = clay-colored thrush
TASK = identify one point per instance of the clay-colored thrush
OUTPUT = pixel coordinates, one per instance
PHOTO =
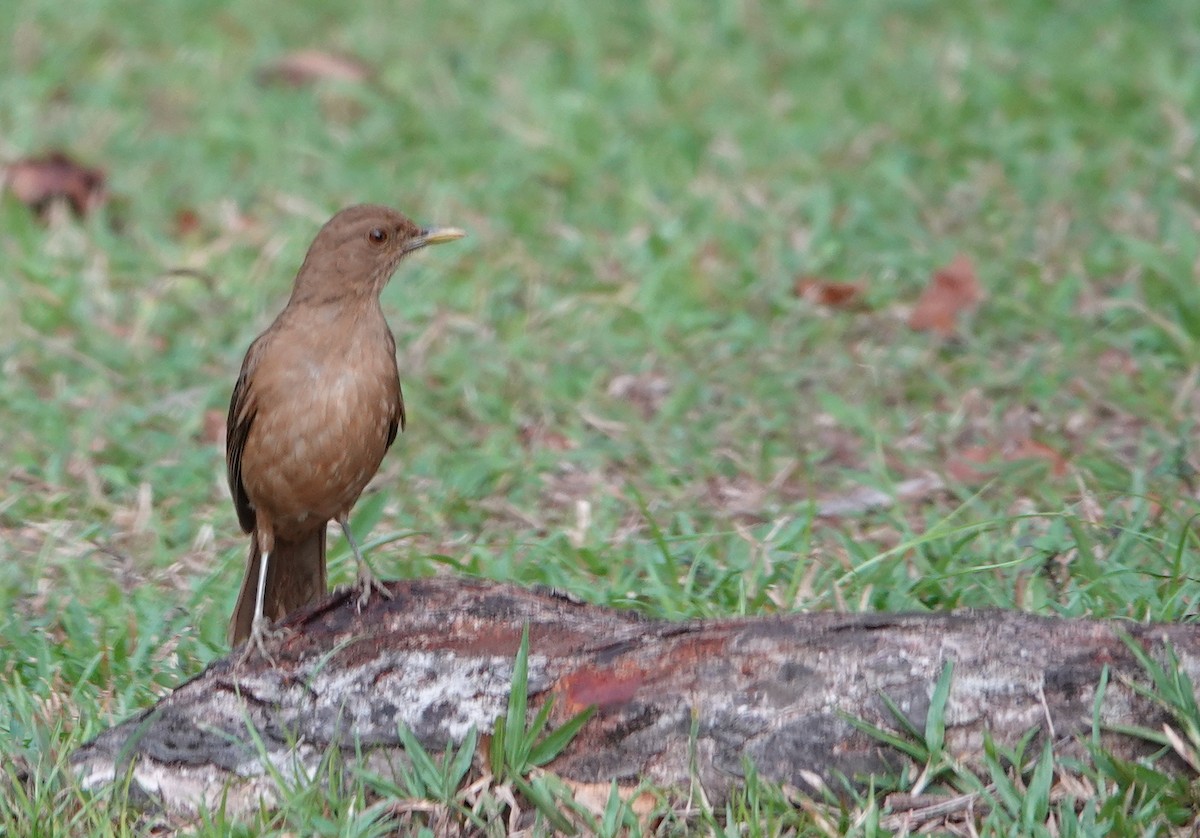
(316, 406)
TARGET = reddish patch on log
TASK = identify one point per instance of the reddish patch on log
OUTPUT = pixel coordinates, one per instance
(702, 648)
(606, 689)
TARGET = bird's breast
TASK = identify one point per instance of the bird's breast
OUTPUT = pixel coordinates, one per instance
(321, 426)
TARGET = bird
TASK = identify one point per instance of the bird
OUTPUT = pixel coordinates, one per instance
(316, 405)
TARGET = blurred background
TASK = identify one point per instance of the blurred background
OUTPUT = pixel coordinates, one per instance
(765, 306)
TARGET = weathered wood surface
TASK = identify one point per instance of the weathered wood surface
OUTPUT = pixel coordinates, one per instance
(676, 700)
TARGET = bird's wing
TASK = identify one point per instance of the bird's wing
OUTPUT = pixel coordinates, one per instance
(242, 410)
(396, 424)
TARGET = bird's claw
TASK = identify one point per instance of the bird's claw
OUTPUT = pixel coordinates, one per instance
(260, 634)
(367, 583)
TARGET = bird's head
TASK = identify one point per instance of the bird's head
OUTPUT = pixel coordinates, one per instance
(357, 251)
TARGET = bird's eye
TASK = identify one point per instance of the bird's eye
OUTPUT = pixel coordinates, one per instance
(378, 235)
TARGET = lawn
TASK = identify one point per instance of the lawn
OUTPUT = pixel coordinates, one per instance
(613, 385)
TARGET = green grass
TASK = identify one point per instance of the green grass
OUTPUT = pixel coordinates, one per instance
(612, 387)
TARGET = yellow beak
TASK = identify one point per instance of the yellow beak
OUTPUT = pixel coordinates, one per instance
(436, 235)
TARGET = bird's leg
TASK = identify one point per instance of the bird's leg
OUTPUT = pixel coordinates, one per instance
(260, 628)
(367, 581)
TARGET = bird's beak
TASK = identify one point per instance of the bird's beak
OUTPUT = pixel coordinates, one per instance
(434, 235)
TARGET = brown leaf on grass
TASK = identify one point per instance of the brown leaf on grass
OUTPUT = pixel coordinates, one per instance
(862, 499)
(952, 291)
(645, 391)
(966, 465)
(39, 181)
(972, 464)
(829, 293)
(1113, 362)
(308, 66)
(537, 435)
(737, 497)
(1029, 449)
(187, 222)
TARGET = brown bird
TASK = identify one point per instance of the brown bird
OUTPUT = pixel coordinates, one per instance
(316, 406)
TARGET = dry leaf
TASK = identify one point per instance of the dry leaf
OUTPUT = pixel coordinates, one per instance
(645, 391)
(1031, 450)
(861, 500)
(829, 293)
(187, 222)
(308, 66)
(1113, 361)
(971, 464)
(965, 466)
(537, 435)
(38, 181)
(953, 290)
(736, 496)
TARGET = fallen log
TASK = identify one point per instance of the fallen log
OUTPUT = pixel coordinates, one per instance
(677, 702)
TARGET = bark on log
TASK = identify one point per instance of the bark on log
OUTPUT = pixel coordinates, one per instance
(677, 701)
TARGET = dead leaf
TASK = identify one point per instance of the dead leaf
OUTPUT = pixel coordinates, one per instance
(596, 797)
(826, 292)
(1113, 362)
(38, 181)
(537, 435)
(646, 391)
(1032, 450)
(972, 464)
(964, 466)
(187, 222)
(861, 500)
(308, 66)
(952, 291)
(736, 496)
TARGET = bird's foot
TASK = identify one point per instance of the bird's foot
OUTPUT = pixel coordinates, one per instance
(367, 581)
(366, 584)
(261, 633)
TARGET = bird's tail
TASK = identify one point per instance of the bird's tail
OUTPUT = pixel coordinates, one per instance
(295, 576)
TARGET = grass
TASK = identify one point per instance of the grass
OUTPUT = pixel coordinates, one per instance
(613, 388)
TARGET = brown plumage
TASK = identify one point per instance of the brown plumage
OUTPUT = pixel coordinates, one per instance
(316, 406)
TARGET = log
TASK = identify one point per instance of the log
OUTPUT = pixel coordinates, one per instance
(677, 703)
